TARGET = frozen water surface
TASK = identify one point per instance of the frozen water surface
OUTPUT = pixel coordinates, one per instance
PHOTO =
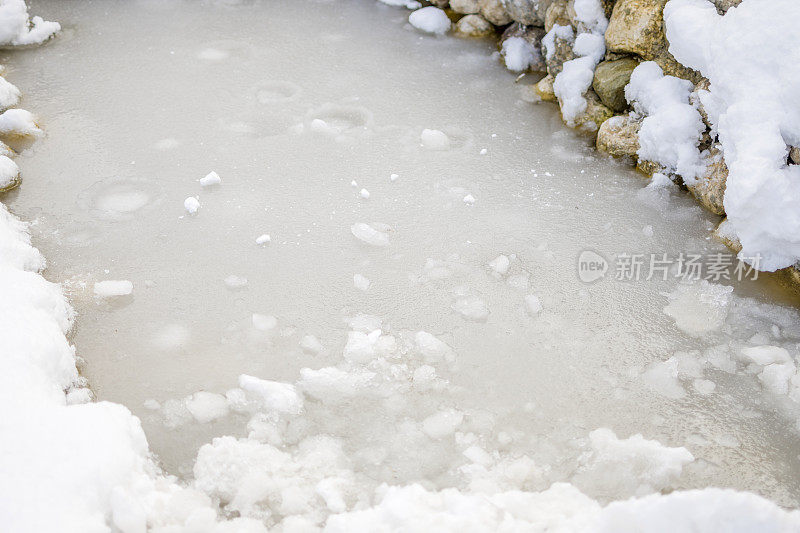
(438, 332)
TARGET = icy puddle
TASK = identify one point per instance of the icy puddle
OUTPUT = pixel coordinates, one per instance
(411, 297)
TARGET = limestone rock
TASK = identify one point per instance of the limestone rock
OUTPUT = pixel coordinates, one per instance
(493, 11)
(524, 11)
(709, 189)
(465, 7)
(637, 27)
(557, 13)
(544, 89)
(724, 5)
(610, 79)
(724, 233)
(619, 136)
(473, 26)
(594, 115)
(438, 3)
(533, 35)
(561, 53)
(794, 155)
(648, 168)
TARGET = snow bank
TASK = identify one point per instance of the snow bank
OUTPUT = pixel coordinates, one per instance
(430, 19)
(750, 56)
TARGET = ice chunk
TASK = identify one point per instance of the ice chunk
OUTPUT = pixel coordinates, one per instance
(212, 178)
(430, 20)
(434, 140)
(235, 282)
(367, 234)
(111, 288)
(469, 199)
(360, 282)
(9, 173)
(699, 308)
(264, 322)
(432, 349)
(472, 308)
(191, 204)
(332, 384)
(443, 423)
(364, 194)
(310, 344)
(500, 264)
(620, 468)
(264, 238)
(662, 377)
(533, 304)
(274, 395)
(765, 355)
(207, 406)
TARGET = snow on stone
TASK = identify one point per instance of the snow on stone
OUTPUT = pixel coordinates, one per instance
(430, 20)
(577, 74)
(264, 238)
(434, 140)
(360, 282)
(212, 178)
(19, 123)
(750, 56)
(191, 204)
(519, 54)
(9, 172)
(589, 46)
(111, 288)
(207, 406)
(672, 127)
(9, 94)
(274, 395)
(369, 235)
(17, 29)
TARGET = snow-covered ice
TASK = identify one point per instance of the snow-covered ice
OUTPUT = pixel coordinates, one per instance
(110, 288)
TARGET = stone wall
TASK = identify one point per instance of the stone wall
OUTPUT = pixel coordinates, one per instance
(634, 34)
